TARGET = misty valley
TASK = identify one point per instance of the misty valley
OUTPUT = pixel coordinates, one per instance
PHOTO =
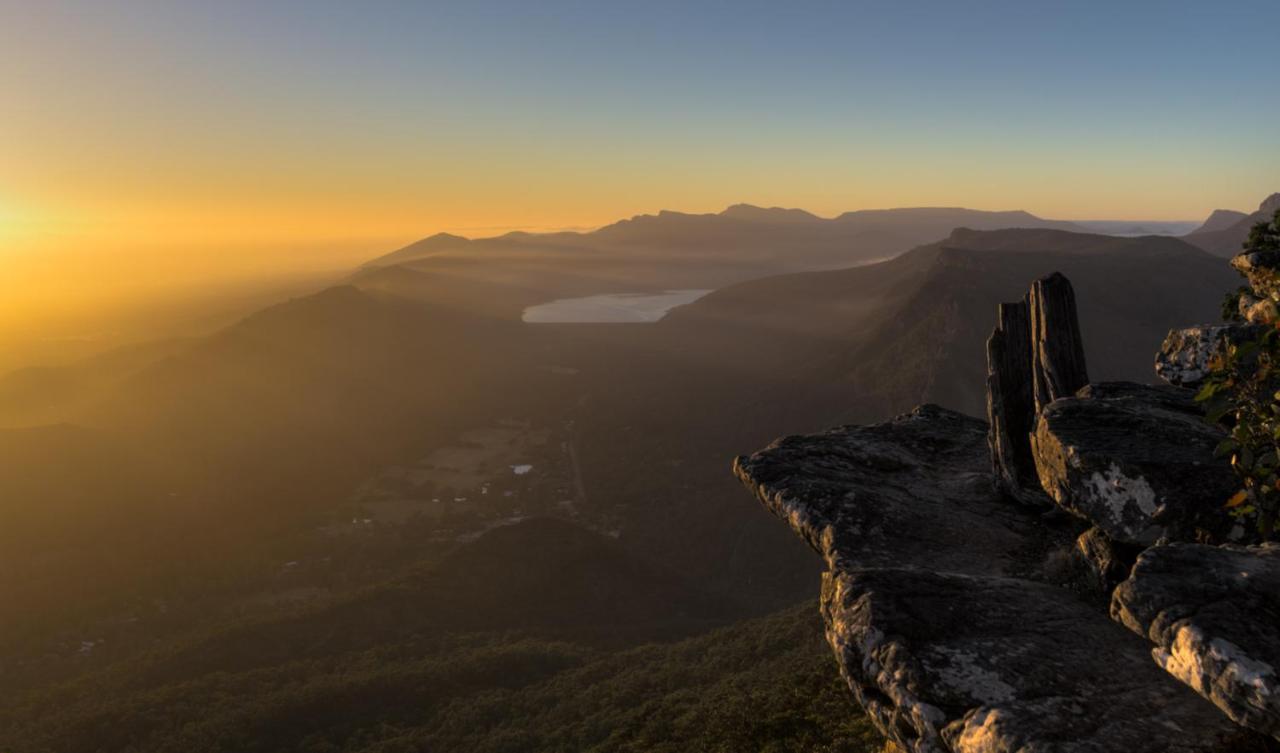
(610, 307)
(468, 496)
(659, 377)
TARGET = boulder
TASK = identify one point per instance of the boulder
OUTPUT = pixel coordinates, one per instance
(1185, 355)
(941, 610)
(1213, 614)
(1137, 462)
(1262, 270)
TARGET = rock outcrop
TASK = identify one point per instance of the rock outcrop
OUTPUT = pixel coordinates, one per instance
(1213, 614)
(1185, 355)
(956, 615)
(1136, 461)
(916, 490)
(943, 612)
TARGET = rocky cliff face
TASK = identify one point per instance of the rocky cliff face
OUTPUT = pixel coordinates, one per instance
(944, 603)
(966, 593)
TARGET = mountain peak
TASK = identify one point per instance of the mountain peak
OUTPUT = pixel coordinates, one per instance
(1270, 204)
(1221, 219)
(770, 214)
(425, 247)
(441, 239)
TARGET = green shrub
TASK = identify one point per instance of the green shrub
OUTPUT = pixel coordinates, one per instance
(1242, 393)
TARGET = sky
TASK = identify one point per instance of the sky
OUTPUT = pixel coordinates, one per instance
(147, 143)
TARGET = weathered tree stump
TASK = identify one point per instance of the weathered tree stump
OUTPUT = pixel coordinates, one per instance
(1058, 368)
(1035, 355)
(1010, 404)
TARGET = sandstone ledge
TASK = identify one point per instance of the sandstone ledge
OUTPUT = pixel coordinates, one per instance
(1213, 614)
(942, 616)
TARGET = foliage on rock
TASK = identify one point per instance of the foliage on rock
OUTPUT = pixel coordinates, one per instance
(1265, 236)
(1242, 391)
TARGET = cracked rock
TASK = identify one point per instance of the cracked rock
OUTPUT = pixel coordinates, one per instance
(1213, 614)
(946, 635)
(1185, 356)
(1137, 462)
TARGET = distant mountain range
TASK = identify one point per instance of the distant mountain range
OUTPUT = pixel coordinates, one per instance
(1226, 230)
(671, 250)
(745, 232)
(678, 250)
(353, 451)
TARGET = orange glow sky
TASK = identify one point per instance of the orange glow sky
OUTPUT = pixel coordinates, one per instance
(145, 144)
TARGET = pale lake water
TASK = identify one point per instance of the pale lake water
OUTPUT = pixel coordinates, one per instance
(615, 308)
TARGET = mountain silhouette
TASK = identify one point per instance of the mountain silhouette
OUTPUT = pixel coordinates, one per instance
(679, 250)
(1225, 232)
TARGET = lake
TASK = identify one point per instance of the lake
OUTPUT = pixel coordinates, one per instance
(617, 308)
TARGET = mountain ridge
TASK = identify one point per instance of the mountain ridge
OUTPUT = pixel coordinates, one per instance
(1220, 237)
(650, 228)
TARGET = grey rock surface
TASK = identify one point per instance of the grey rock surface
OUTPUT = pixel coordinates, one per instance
(1136, 461)
(1213, 614)
(1185, 355)
(937, 610)
(944, 661)
(916, 489)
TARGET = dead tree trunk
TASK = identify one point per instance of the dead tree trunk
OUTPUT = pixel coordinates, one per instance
(1034, 356)
(1010, 404)
(1058, 352)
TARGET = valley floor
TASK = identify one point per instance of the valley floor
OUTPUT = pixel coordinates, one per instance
(768, 684)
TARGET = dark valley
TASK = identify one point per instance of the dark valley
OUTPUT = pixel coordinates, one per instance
(380, 504)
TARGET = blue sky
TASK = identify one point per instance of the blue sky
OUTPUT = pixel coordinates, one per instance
(289, 124)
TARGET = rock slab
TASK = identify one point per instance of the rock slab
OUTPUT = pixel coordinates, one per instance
(1213, 614)
(1137, 462)
(936, 608)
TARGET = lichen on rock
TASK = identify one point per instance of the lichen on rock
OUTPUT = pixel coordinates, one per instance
(1213, 615)
(948, 636)
(1186, 355)
(1136, 461)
